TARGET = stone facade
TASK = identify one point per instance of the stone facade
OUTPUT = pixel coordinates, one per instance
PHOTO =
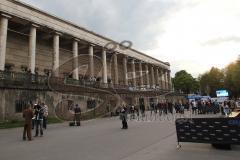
(34, 41)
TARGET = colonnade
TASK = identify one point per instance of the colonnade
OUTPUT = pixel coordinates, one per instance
(155, 76)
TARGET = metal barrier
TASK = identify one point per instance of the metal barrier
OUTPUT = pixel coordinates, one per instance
(222, 131)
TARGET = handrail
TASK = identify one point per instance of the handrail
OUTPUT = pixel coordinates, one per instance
(35, 81)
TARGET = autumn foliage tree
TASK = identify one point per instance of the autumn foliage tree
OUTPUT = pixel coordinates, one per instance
(215, 79)
(232, 79)
(211, 81)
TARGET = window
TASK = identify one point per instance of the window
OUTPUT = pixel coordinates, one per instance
(20, 105)
(91, 104)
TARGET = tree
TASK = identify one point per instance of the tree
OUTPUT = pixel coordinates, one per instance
(211, 81)
(184, 82)
(232, 79)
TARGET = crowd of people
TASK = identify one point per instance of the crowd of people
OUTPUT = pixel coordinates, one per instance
(35, 117)
(213, 106)
(164, 108)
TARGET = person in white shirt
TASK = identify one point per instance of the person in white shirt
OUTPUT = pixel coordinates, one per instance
(226, 109)
(238, 104)
(194, 107)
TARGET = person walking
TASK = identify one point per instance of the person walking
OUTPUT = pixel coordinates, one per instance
(27, 115)
(39, 120)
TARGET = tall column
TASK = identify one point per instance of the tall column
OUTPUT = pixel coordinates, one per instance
(161, 79)
(104, 62)
(115, 68)
(75, 59)
(3, 39)
(133, 73)
(157, 77)
(91, 62)
(140, 74)
(56, 54)
(32, 48)
(169, 79)
(125, 70)
(152, 77)
(147, 75)
(165, 79)
(2, 105)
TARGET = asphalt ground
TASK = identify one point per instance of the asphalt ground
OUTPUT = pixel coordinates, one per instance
(103, 139)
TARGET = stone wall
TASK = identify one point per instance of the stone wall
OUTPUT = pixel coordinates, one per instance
(54, 100)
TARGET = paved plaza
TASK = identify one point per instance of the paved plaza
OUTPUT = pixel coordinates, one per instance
(102, 139)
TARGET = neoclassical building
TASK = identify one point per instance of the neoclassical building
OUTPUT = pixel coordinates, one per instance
(45, 58)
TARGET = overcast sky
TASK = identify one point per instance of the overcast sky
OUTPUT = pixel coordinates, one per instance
(190, 34)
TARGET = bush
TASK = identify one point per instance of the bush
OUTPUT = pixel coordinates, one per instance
(16, 123)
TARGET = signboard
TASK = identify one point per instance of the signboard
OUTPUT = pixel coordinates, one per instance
(222, 93)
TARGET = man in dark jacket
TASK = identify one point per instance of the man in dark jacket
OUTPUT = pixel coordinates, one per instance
(39, 112)
(77, 114)
(123, 117)
(27, 115)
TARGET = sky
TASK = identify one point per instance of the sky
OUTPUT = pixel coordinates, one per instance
(193, 35)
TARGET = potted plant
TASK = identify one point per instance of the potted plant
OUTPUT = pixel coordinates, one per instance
(9, 67)
(24, 68)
